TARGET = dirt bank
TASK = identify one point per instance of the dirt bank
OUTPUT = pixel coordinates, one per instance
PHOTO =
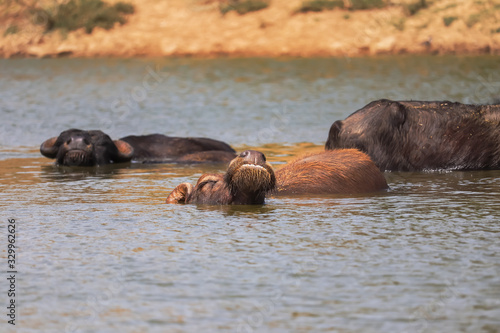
(196, 27)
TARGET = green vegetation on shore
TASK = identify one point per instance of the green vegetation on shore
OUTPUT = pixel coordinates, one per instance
(320, 5)
(72, 15)
(448, 20)
(414, 7)
(243, 6)
(88, 14)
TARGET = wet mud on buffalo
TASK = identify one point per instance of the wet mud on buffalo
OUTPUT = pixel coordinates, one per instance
(76, 147)
(416, 135)
(250, 179)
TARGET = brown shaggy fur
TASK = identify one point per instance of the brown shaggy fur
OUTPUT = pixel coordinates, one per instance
(343, 171)
(250, 178)
(247, 180)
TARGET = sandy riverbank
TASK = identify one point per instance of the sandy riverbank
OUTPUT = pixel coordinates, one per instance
(196, 27)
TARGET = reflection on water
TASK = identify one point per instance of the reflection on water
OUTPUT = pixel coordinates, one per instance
(100, 252)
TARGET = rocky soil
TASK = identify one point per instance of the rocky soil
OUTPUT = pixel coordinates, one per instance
(197, 28)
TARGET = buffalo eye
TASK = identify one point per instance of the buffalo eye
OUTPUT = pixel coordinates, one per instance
(206, 182)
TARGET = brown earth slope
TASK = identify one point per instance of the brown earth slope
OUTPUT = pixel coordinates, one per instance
(196, 27)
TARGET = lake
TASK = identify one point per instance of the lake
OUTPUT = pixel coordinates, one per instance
(97, 250)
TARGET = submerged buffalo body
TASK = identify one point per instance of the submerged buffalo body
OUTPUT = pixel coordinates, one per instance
(76, 147)
(249, 178)
(160, 148)
(415, 136)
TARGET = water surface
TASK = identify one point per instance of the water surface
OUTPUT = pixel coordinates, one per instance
(100, 252)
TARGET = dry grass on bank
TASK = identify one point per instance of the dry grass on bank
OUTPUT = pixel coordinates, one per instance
(202, 28)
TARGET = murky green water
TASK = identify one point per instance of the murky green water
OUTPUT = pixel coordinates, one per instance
(98, 251)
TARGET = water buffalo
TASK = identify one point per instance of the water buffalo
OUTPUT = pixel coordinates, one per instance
(416, 135)
(76, 147)
(250, 178)
(162, 148)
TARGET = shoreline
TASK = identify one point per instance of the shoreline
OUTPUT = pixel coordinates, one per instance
(245, 56)
(183, 28)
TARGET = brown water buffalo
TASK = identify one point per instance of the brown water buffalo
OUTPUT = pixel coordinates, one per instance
(76, 147)
(415, 136)
(250, 178)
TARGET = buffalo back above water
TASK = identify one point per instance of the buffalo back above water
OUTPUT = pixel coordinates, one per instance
(249, 178)
(416, 135)
(158, 148)
(75, 147)
(339, 171)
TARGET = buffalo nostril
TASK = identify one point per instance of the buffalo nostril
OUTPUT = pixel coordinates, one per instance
(78, 143)
(253, 156)
(259, 157)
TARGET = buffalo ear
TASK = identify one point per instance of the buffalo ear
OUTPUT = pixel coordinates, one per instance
(397, 114)
(333, 135)
(125, 151)
(48, 148)
(180, 194)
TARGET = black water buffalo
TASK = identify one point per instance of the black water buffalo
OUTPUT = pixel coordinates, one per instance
(250, 178)
(162, 148)
(76, 147)
(417, 135)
